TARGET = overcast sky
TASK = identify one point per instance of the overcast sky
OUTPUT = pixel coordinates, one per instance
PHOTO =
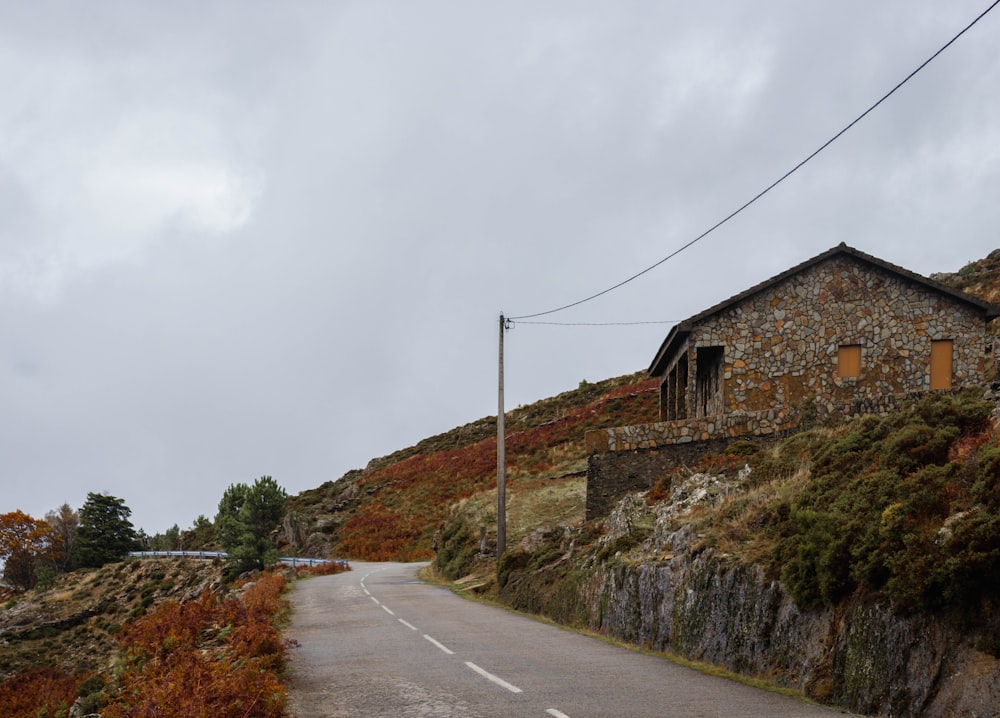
(246, 238)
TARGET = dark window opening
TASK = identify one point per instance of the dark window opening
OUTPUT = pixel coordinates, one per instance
(708, 386)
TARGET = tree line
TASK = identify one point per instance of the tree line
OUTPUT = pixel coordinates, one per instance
(35, 551)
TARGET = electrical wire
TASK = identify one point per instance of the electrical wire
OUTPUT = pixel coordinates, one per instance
(595, 324)
(771, 186)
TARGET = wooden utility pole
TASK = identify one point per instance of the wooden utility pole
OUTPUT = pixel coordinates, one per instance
(501, 459)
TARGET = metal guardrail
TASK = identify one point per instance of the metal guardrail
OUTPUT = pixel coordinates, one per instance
(207, 555)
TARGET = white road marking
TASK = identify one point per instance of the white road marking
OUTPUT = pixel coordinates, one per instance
(490, 677)
(408, 625)
(376, 600)
(388, 610)
(556, 714)
(439, 645)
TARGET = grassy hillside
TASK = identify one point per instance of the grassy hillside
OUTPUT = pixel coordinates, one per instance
(393, 509)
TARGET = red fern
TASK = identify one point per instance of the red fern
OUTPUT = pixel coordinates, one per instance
(45, 691)
(208, 658)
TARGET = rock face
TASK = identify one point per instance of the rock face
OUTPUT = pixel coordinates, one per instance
(859, 656)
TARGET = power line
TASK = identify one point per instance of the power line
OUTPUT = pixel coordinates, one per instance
(774, 184)
(593, 324)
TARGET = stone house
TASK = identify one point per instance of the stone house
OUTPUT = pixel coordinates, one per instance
(843, 329)
(844, 333)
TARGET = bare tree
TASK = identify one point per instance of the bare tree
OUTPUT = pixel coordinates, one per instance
(64, 522)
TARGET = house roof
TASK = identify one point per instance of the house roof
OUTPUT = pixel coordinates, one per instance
(681, 331)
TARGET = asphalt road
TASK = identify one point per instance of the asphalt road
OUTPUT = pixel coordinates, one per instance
(377, 641)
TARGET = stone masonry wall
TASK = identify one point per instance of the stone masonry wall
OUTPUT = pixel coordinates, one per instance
(612, 474)
(671, 433)
(781, 344)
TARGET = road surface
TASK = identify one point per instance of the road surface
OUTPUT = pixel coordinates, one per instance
(377, 641)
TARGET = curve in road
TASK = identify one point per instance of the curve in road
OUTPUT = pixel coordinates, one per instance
(377, 641)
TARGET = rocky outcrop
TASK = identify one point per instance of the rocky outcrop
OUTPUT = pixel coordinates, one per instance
(859, 656)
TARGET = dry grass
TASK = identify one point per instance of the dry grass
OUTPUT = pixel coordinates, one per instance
(530, 504)
(733, 526)
(555, 502)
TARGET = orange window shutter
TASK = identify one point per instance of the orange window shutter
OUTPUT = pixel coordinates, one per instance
(941, 364)
(849, 360)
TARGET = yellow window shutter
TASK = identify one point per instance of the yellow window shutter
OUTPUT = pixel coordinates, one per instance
(941, 364)
(849, 360)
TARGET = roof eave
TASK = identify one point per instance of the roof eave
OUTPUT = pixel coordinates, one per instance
(676, 335)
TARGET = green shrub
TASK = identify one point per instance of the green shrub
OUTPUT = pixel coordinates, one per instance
(510, 563)
(457, 549)
(986, 489)
(876, 513)
(743, 448)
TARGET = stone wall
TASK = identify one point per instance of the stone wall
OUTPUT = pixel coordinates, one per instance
(612, 474)
(671, 433)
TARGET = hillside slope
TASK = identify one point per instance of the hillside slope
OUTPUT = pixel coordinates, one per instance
(980, 278)
(72, 626)
(397, 505)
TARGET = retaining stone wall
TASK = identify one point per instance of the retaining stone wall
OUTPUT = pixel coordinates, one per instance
(672, 433)
(612, 474)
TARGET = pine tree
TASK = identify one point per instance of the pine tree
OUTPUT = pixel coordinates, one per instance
(105, 534)
(247, 516)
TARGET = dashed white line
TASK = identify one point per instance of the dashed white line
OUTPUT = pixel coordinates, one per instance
(484, 673)
(439, 645)
(556, 714)
(490, 677)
